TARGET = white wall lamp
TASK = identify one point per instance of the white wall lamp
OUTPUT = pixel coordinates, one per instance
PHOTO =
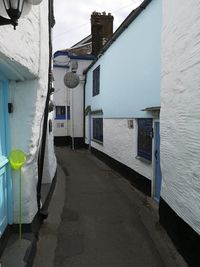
(14, 9)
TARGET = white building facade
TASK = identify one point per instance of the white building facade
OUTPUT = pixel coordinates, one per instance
(69, 103)
(24, 62)
(180, 125)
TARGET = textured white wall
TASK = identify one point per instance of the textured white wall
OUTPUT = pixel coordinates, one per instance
(23, 44)
(26, 49)
(60, 98)
(60, 94)
(180, 112)
(50, 162)
(77, 110)
(63, 97)
(120, 143)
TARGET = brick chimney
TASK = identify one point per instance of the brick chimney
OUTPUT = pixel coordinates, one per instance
(101, 29)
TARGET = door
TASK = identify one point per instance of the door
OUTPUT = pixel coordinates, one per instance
(3, 160)
(158, 176)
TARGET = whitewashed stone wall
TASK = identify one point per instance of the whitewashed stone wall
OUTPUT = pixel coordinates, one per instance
(180, 109)
(120, 143)
(25, 52)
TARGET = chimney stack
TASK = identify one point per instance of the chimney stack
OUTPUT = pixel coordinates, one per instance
(101, 29)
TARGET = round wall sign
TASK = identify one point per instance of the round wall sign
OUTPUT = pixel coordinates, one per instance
(71, 80)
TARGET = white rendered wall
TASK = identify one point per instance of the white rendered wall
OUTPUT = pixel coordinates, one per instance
(28, 58)
(64, 96)
(50, 162)
(23, 44)
(77, 110)
(180, 109)
(120, 143)
(59, 95)
(60, 98)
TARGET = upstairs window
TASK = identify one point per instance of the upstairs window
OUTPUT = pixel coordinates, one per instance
(145, 138)
(60, 113)
(96, 81)
(98, 129)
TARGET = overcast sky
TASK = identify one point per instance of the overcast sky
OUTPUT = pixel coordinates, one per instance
(73, 18)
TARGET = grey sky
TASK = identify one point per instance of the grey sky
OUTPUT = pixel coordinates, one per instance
(73, 18)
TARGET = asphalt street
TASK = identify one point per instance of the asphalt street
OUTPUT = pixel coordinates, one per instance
(97, 218)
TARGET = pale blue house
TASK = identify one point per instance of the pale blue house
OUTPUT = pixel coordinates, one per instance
(122, 98)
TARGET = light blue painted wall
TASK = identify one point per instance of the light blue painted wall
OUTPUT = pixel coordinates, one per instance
(130, 74)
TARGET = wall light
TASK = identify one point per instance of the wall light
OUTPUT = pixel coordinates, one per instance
(14, 10)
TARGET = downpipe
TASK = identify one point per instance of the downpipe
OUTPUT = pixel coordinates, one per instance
(41, 154)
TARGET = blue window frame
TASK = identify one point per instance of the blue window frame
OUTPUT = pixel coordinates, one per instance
(98, 129)
(60, 113)
(96, 81)
(145, 138)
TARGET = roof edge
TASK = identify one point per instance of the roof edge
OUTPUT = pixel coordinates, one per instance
(129, 19)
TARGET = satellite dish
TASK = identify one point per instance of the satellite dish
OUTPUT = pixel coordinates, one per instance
(71, 80)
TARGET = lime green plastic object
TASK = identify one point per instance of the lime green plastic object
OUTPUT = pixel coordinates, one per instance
(17, 158)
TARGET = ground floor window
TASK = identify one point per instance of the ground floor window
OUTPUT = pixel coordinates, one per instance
(60, 113)
(145, 138)
(68, 112)
(98, 129)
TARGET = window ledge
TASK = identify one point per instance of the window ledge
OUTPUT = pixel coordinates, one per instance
(144, 160)
(97, 141)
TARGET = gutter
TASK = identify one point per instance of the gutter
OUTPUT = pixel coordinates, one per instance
(46, 111)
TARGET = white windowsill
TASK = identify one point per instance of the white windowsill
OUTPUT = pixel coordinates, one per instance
(97, 141)
(144, 160)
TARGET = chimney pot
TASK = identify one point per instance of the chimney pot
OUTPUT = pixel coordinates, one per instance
(101, 29)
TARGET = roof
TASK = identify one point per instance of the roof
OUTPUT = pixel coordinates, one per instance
(73, 55)
(81, 50)
(152, 109)
(131, 17)
(84, 41)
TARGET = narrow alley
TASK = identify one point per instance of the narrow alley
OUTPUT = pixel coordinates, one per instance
(103, 220)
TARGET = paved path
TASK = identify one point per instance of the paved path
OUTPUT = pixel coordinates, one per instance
(105, 222)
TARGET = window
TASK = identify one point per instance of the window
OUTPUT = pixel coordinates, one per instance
(96, 81)
(98, 129)
(68, 112)
(145, 138)
(60, 113)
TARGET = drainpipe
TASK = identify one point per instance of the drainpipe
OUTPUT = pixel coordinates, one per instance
(84, 106)
(46, 110)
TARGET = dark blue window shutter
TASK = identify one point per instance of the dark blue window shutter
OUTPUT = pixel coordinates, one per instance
(98, 129)
(145, 138)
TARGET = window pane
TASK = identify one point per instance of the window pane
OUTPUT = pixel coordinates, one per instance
(96, 81)
(60, 112)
